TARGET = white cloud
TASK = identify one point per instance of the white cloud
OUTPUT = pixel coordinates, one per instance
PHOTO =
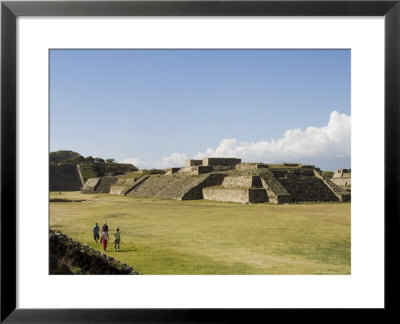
(174, 160)
(136, 162)
(330, 141)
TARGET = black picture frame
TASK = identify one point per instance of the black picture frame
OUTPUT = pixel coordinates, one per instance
(10, 10)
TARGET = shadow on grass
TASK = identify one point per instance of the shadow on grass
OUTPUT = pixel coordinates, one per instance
(124, 250)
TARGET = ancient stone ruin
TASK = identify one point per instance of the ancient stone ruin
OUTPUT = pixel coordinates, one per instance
(228, 179)
(68, 171)
(342, 178)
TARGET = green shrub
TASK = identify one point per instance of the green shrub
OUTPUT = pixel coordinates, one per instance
(327, 174)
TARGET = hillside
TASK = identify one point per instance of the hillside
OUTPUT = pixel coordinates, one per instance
(65, 157)
(89, 167)
(100, 169)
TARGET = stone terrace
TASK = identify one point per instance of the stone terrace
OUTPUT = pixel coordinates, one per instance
(227, 179)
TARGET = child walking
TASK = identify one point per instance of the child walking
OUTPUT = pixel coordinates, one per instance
(104, 239)
(117, 238)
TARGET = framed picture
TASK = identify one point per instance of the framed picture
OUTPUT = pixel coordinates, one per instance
(56, 62)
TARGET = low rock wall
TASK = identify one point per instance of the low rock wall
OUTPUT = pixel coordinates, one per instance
(190, 163)
(242, 182)
(251, 166)
(171, 171)
(201, 169)
(221, 161)
(71, 257)
(342, 182)
(240, 195)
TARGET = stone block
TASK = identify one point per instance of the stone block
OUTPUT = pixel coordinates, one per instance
(171, 171)
(190, 163)
(221, 161)
(240, 195)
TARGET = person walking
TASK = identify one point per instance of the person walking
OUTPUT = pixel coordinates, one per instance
(105, 228)
(104, 240)
(96, 230)
(117, 239)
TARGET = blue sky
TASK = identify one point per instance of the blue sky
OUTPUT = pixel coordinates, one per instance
(155, 108)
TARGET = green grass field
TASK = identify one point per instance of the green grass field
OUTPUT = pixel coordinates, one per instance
(205, 237)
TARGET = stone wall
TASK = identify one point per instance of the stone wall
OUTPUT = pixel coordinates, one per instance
(171, 171)
(67, 256)
(342, 173)
(240, 195)
(290, 164)
(201, 169)
(190, 163)
(258, 195)
(342, 178)
(64, 178)
(251, 166)
(196, 170)
(242, 182)
(342, 182)
(221, 161)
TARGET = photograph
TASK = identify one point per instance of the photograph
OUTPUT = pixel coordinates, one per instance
(197, 157)
(199, 161)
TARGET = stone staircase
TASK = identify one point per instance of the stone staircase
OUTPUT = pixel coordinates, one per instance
(177, 186)
(105, 184)
(307, 188)
(340, 192)
(276, 192)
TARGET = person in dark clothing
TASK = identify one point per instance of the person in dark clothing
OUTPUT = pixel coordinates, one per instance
(96, 230)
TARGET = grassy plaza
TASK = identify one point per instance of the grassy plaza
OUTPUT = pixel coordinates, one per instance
(160, 236)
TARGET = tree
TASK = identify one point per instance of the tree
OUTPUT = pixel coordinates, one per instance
(98, 159)
(89, 159)
(110, 160)
(327, 174)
